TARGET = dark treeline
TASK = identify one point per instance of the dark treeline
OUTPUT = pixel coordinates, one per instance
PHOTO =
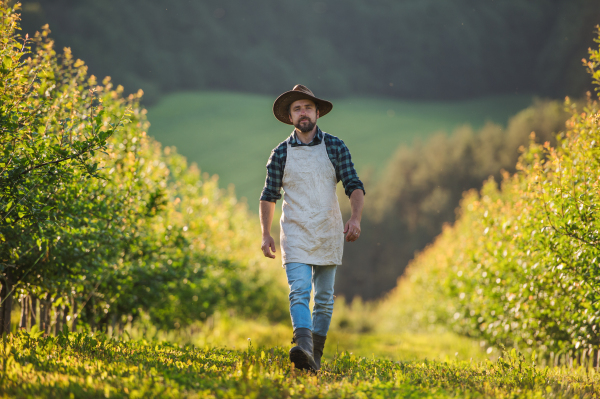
(441, 49)
(423, 186)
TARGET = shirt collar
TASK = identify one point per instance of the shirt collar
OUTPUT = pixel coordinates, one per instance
(295, 142)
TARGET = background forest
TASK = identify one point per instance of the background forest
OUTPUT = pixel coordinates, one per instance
(417, 49)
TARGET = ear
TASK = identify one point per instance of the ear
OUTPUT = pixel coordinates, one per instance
(290, 117)
(317, 113)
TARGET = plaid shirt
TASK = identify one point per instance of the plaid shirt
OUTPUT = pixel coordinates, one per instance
(338, 153)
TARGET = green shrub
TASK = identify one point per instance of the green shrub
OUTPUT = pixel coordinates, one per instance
(422, 187)
(147, 234)
(519, 267)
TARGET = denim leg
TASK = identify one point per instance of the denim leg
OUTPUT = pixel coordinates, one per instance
(323, 282)
(299, 279)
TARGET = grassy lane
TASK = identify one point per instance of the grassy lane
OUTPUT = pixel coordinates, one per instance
(403, 345)
(231, 134)
(81, 366)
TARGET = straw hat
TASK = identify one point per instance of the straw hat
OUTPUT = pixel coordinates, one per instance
(299, 92)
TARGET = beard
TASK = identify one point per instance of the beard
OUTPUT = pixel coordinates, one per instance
(306, 127)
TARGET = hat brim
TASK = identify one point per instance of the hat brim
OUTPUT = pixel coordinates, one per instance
(283, 102)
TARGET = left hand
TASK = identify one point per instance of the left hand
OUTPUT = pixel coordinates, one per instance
(352, 229)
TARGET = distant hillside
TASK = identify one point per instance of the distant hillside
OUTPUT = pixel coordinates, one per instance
(232, 134)
(426, 49)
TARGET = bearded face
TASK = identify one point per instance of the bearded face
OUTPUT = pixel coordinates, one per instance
(305, 124)
(304, 115)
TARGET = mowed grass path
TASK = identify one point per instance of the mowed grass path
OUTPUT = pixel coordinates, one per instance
(232, 134)
(82, 366)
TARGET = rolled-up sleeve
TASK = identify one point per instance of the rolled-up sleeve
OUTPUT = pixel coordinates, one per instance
(346, 171)
(272, 189)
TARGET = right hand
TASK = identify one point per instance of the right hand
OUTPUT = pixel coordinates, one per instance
(268, 245)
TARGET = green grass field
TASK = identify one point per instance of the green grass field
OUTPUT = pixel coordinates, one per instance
(232, 134)
(78, 365)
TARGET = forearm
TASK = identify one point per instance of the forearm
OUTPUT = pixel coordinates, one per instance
(266, 211)
(357, 200)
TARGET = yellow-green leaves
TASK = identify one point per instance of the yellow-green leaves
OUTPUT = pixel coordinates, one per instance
(520, 266)
(96, 216)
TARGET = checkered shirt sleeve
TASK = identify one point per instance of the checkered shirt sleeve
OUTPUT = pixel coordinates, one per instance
(272, 189)
(342, 161)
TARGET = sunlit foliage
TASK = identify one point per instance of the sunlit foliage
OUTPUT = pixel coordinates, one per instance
(422, 187)
(79, 365)
(520, 266)
(147, 233)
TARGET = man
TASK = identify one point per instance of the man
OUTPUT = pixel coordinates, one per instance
(308, 166)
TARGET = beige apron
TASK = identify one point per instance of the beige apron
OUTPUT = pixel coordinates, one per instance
(312, 230)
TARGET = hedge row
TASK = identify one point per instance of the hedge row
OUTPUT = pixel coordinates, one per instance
(98, 222)
(520, 267)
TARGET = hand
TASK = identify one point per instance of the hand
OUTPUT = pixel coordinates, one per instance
(353, 229)
(268, 245)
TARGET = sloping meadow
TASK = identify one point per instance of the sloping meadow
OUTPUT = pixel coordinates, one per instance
(520, 265)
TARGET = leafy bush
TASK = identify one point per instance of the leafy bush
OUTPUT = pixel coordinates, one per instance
(520, 265)
(147, 234)
(422, 187)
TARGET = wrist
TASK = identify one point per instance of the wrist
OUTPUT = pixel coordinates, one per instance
(355, 218)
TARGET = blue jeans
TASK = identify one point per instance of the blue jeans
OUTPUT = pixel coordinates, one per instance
(301, 278)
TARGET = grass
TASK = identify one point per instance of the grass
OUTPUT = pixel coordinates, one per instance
(216, 359)
(231, 134)
(235, 333)
(77, 365)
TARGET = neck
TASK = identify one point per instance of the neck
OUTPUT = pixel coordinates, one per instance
(308, 136)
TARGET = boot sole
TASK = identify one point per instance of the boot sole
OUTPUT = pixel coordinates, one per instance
(301, 360)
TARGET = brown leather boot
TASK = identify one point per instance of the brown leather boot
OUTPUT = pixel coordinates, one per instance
(302, 354)
(319, 344)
